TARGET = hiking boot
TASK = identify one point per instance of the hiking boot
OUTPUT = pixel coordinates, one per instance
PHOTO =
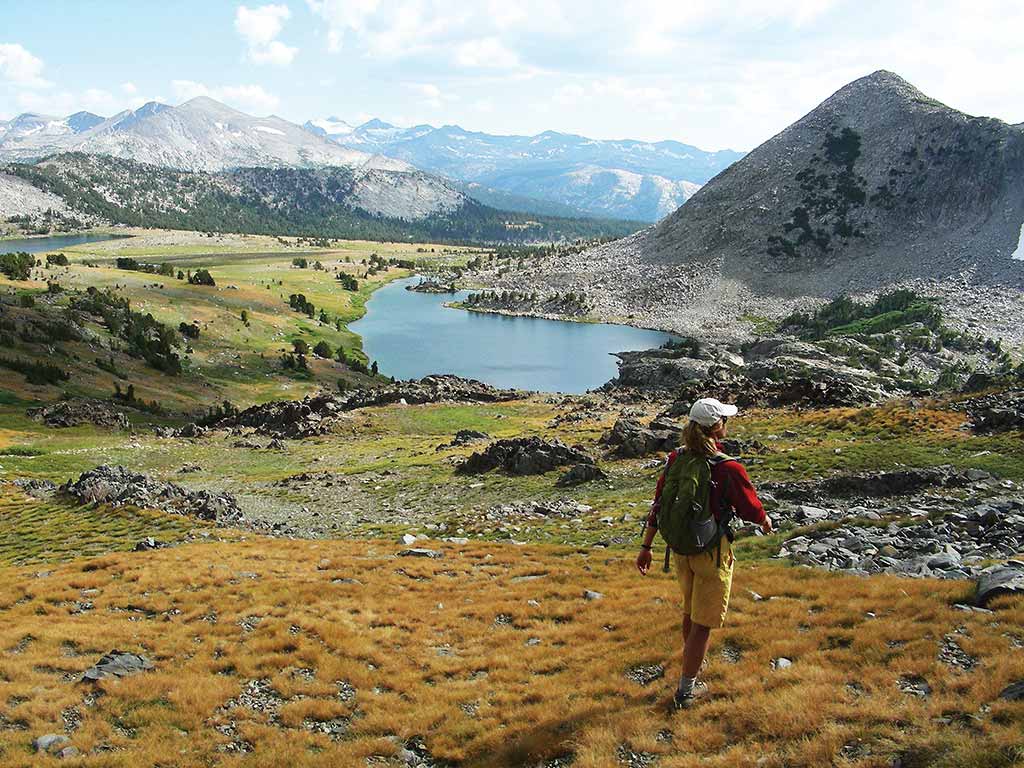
(680, 701)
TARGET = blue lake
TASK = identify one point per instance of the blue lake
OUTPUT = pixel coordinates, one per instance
(55, 243)
(411, 335)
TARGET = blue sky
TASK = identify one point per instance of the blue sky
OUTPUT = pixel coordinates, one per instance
(714, 74)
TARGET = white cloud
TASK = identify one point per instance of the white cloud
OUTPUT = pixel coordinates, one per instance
(274, 52)
(430, 95)
(129, 88)
(20, 67)
(343, 17)
(486, 52)
(259, 27)
(248, 98)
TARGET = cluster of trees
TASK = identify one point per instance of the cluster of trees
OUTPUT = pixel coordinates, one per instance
(130, 264)
(17, 266)
(845, 316)
(35, 373)
(300, 303)
(127, 396)
(300, 262)
(218, 412)
(348, 282)
(147, 338)
(512, 299)
(56, 260)
(201, 277)
(297, 358)
(189, 330)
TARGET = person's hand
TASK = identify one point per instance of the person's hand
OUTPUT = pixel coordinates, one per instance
(766, 526)
(643, 561)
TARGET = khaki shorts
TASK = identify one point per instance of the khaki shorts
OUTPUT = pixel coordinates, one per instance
(706, 584)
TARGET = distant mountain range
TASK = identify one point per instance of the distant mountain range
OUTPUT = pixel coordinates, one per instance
(551, 174)
(323, 201)
(168, 159)
(200, 135)
(624, 179)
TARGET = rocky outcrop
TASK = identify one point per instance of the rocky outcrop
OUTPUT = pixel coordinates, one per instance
(73, 413)
(998, 412)
(901, 482)
(315, 414)
(464, 437)
(953, 546)
(432, 285)
(523, 456)
(118, 487)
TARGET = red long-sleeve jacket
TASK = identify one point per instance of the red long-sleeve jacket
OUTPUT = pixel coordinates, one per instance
(732, 476)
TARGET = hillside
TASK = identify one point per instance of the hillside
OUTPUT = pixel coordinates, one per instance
(624, 179)
(878, 185)
(322, 201)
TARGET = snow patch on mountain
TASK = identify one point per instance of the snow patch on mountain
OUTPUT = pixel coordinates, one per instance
(1019, 251)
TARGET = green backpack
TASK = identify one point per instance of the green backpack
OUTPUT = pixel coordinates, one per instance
(685, 518)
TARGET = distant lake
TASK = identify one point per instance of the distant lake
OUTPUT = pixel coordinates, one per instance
(55, 243)
(411, 335)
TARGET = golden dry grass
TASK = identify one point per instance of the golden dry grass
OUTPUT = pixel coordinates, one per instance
(439, 648)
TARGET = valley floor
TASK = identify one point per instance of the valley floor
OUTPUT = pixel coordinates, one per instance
(476, 645)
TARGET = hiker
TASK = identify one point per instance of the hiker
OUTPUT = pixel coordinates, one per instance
(699, 491)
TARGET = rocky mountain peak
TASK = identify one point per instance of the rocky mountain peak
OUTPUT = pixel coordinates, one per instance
(878, 185)
(83, 121)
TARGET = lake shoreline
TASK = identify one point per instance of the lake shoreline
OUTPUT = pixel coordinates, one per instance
(412, 334)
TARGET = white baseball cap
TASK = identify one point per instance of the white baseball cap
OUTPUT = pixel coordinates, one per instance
(707, 411)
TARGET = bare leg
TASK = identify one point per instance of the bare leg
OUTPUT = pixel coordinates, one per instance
(698, 637)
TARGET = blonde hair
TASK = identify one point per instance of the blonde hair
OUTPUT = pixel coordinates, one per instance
(697, 438)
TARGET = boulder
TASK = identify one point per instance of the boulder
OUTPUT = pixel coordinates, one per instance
(628, 439)
(1013, 692)
(524, 456)
(117, 664)
(51, 742)
(581, 473)
(433, 554)
(999, 580)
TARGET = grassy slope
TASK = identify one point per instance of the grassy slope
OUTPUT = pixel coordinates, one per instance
(400, 481)
(230, 360)
(424, 647)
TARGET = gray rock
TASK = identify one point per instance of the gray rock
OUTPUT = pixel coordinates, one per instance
(524, 456)
(1013, 692)
(117, 664)
(581, 473)
(590, 594)
(428, 553)
(51, 743)
(999, 580)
